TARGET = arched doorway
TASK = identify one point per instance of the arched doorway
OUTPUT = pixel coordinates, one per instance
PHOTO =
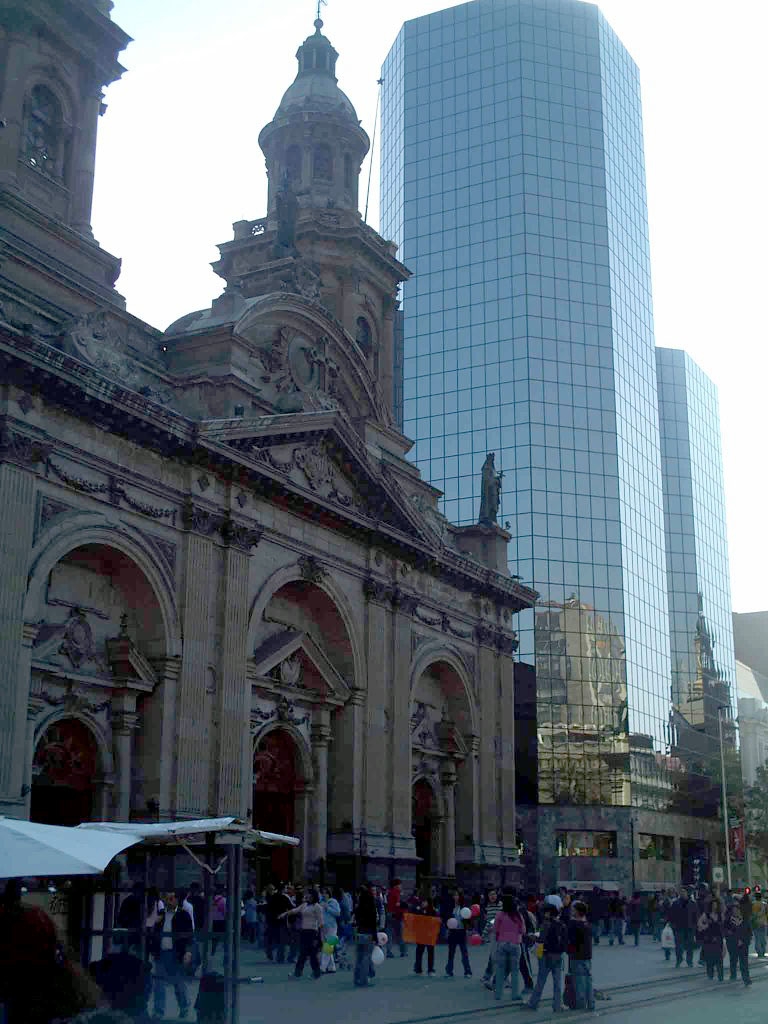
(424, 825)
(277, 780)
(65, 775)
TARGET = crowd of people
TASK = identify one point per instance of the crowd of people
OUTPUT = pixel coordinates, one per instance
(160, 938)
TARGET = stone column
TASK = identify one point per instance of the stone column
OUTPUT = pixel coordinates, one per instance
(193, 753)
(506, 675)
(35, 707)
(234, 697)
(448, 779)
(302, 813)
(400, 747)
(438, 844)
(376, 757)
(321, 737)
(489, 703)
(17, 493)
(125, 721)
(83, 173)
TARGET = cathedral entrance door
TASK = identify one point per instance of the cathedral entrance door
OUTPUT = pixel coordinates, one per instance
(424, 823)
(64, 774)
(276, 779)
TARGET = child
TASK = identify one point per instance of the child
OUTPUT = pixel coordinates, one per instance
(428, 909)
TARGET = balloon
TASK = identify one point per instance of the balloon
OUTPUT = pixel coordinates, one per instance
(475, 910)
(332, 940)
(382, 938)
(475, 940)
(466, 913)
(452, 923)
(327, 947)
(377, 956)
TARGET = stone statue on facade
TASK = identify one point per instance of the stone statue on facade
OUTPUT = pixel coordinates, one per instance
(490, 492)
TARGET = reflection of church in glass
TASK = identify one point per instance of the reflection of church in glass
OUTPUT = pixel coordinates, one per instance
(582, 706)
(700, 696)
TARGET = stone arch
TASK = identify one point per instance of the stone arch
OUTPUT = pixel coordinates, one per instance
(302, 747)
(101, 773)
(445, 730)
(43, 78)
(86, 529)
(292, 574)
(436, 653)
(281, 804)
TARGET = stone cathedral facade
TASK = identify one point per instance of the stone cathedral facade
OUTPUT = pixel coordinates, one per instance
(224, 589)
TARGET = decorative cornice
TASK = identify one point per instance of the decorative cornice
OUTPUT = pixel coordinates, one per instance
(505, 643)
(201, 520)
(22, 449)
(242, 536)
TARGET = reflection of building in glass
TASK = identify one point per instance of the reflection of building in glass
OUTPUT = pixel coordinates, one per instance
(513, 181)
(698, 582)
(582, 706)
(749, 634)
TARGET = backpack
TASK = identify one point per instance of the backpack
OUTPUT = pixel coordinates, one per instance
(556, 938)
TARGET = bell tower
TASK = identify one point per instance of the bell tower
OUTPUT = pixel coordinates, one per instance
(56, 56)
(315, 144)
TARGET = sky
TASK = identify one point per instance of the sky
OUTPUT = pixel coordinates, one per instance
(178, 162)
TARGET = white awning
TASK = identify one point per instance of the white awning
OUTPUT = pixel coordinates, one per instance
(164, 830)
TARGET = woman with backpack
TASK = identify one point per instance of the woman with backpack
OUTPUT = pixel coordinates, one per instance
(553, 943)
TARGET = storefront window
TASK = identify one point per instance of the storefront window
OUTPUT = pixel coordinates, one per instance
(586, 844)
(656, 847)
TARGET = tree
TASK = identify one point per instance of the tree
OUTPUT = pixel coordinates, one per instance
(756, 816)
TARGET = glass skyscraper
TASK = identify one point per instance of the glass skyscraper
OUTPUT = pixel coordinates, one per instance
(513, 181)
(701, 622)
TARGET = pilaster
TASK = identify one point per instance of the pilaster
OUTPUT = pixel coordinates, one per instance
(321, 738)
(125, 722)
(234, 698)
(193, 749)
(82, 182)
(375, 815)
(400, 747)
(489, 710)
(506, 761)
(17, 486)
(448, 780)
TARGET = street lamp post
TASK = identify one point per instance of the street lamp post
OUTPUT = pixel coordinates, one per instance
(725, 796)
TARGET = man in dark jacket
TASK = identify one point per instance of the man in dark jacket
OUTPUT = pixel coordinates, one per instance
(682, 916)
(580, 956)
(596, 913)
(172, 950)
(131, 917)
(737, 929)
(616, 905)
(366, 928)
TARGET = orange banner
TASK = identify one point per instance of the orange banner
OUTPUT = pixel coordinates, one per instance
(420, 929)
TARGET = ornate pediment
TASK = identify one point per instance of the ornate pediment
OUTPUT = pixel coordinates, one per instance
(320, 455)
(304, 360)
(292, 660)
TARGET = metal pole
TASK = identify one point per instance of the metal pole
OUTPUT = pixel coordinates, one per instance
(725, 797)
(238, 868)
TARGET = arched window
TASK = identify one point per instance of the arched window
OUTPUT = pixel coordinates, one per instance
(363, 334)
(322, 163)
(293, 164)
(43, 131)
(348, 172)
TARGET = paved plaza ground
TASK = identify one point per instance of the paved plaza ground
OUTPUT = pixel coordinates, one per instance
(629, 977)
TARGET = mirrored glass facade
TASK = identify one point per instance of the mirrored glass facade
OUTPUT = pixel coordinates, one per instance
(513, 181)
(701, 623)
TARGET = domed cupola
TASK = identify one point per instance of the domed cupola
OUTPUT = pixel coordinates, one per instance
(315, 143)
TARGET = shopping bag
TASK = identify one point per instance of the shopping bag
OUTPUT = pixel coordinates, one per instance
(667, 937)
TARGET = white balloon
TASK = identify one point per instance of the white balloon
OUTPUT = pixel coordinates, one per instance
(377, 956)
(382, 938)
(452, 923)
(466, 913)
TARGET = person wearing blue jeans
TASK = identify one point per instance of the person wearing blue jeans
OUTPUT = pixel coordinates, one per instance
(457, 939)
(507, 962)
(580, 957)
(554, 938)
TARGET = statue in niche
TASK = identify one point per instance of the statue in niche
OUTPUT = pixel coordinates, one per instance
(490, 492)
(287, 212)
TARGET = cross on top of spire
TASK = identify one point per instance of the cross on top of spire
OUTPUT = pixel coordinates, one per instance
(318, 19)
